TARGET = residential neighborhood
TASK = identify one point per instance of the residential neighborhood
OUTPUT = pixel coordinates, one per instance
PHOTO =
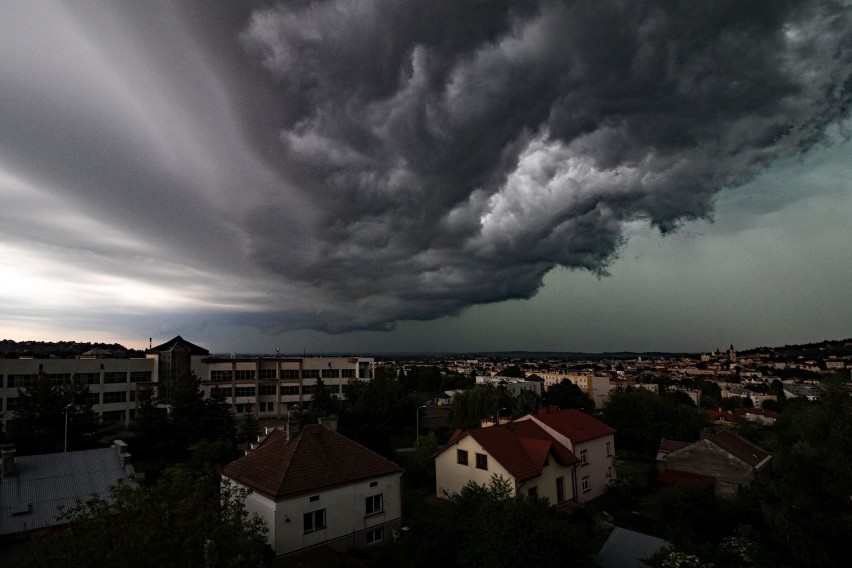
(376, 457)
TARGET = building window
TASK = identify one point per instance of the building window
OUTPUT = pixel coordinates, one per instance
(267, 407)
(461, 457)
(376, 535)
(331, 373)
(111, 378)
(19, 380)
(113, 416)
(347, 373)
(585, 484)
(267, 389)
(245, 391)
(90, 378)
(267, 373)
(532, 492)
(584, 457)
(481, 461)
(245, 374)
(309, 389)
(289, 390)
(374, 504)
(140, 376)
(560, 489)
(220, 375)
(289, 373)
(92, 398)
(110, 397)
(60, 377)
(310, 374)
(314, 521)
(608, 449)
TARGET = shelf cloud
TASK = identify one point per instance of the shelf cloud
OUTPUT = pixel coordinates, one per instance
(341, 165)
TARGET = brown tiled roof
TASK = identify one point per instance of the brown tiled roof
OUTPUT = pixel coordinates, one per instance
(313, 460)
(678, 477)
(738, 446)
(520, 447)
(667, 446)
(577, 426)
(179, 342)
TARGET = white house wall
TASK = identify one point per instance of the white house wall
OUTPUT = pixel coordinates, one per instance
(345, 513)
(451, 477)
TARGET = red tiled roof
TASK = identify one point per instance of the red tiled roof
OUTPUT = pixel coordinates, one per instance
(667, 446)
(738, 446)
(314, 459)
(577, 426)
(678, 477)
(520, 447)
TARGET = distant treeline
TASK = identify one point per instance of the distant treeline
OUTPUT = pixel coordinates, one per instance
(815, 351)
(61, 349)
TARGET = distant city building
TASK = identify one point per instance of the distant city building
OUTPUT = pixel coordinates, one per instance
(268, 386)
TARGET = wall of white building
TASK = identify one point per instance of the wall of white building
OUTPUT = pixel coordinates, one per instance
(345, 514)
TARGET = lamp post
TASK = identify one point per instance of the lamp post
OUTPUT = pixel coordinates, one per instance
(497, 416)
(417, 424)
(67, 406)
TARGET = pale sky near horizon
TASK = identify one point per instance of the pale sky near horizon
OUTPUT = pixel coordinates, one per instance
(336, 176)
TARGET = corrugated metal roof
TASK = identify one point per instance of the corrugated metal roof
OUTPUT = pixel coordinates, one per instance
(31, 497)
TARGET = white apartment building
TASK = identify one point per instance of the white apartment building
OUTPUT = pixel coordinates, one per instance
(268, 386)
(596, 386)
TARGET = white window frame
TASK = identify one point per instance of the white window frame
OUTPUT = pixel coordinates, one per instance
(375, 504)
(314, 521)
(586, 484)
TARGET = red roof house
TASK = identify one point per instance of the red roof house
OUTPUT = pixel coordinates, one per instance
(559, 455)
(317, 487)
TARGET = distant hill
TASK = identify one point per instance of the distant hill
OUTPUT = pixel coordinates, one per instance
(815, 351)
(61, 349)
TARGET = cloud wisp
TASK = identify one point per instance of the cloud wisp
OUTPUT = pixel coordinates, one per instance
(342, 165)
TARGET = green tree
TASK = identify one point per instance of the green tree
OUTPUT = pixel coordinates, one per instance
(505, 530)
(39, 423)
(526, 402)
(482, 401)
(182, 520)
(641, 418)
(374, 410)
(248, 428)
(566, 394)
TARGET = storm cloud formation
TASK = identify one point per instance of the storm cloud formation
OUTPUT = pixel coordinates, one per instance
(374, 161)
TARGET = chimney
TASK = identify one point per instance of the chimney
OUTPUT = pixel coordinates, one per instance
(291, 428)
(121, 447)
(8, 454)
(329, 422)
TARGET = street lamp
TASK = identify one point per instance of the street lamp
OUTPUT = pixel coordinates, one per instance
(67, 406)
(497, 417)
(417, 424)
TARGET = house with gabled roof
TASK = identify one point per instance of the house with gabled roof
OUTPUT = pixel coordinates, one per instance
(723, 458)
(592, 441)
(540, 455)
(318, 487)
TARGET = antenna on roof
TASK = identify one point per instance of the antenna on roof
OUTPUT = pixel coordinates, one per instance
(149, 343)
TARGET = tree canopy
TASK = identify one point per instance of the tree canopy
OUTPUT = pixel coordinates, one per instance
(184, 519)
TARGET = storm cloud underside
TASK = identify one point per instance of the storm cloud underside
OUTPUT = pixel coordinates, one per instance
(342, 165)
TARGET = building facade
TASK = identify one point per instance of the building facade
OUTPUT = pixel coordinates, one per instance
(319, 488)
(267, 386)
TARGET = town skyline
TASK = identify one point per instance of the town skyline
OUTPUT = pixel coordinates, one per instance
(554, 178)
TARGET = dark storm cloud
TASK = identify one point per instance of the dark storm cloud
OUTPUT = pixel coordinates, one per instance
(454, 152)
(342, 165)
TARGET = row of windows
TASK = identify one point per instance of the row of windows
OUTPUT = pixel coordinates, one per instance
(481, 459)
(249, 374)
(316, 520)
(285, 390)
(109, 377)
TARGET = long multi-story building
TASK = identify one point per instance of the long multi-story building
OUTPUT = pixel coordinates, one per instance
(267, 386)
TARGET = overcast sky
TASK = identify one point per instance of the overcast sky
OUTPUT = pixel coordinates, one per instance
(353, 176)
